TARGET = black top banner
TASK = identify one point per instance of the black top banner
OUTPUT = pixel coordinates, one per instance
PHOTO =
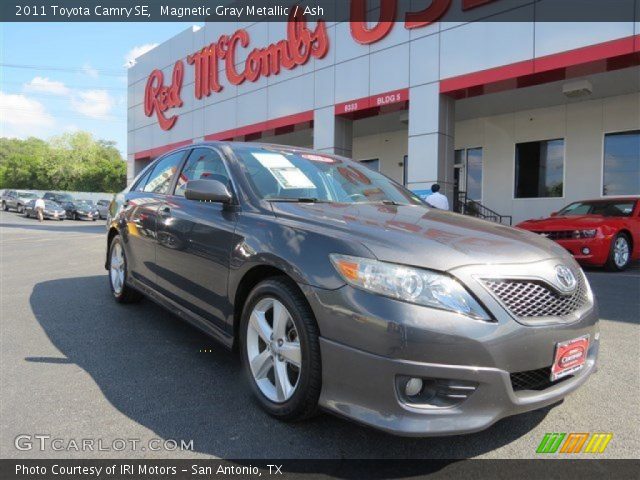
(251, 11)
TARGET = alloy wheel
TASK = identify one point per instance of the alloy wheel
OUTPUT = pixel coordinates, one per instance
(621, 252)
(273, 350)
(117, 268)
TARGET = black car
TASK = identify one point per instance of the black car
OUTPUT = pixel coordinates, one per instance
(59, 198)
(341, 289)
(81, 210)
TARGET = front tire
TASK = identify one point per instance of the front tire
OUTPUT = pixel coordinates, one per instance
(5, 207)
(122, 292)
(280, 350)
(619, 253)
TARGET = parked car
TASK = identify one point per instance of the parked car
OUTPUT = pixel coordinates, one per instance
(103, 208)
(81, 210)
(602, 232)
(52, 211)
(342, 290)
(17, 199)
(59, 198)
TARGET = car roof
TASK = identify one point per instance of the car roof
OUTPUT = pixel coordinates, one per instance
(609, 199)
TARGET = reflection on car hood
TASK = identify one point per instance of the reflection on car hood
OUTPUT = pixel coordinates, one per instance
(422, 236)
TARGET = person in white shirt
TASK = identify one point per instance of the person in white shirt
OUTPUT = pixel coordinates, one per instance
(39, 206)
(436, 199)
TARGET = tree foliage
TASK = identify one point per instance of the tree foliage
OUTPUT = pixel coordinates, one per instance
(73, 161)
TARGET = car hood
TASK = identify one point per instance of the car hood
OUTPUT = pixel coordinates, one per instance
(569, 222)
(422, 236)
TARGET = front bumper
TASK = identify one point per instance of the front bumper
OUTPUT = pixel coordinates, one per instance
(368, 342)
(598, 249)
(360, 386)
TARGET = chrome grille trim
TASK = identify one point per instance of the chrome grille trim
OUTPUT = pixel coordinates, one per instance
(532, 298)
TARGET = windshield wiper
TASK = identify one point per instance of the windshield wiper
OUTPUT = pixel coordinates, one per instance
(297, 200)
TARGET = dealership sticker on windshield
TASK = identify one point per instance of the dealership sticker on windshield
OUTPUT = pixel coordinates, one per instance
(570, 356)
(286, 173)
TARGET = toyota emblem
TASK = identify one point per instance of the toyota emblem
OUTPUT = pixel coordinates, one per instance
(566, 279)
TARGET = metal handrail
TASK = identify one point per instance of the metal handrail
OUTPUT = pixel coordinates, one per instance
(465, 205)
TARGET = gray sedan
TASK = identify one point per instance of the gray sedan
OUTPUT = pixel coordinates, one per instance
(341, 290)
(52, 211)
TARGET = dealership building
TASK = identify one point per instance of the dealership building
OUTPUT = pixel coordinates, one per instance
(515, 117)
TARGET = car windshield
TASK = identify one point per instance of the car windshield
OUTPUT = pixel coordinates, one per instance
(64, 198)
(27, 195)
(604, 208)
(290, 175)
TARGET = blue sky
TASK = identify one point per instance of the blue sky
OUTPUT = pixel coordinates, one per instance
(72, 76)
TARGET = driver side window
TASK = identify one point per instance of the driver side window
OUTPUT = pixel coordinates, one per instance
(202, 164)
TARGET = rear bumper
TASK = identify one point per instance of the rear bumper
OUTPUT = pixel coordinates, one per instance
(361, 386)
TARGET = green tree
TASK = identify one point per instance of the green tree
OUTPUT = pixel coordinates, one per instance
(72, 161)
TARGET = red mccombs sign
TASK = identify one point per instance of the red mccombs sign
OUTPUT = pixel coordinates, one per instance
(301, 44)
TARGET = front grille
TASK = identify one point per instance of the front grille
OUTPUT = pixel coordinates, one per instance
(530, 298)
(558, 234)
(534, 379)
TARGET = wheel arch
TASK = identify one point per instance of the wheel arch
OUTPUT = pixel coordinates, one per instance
(113, 231)
(252, 277)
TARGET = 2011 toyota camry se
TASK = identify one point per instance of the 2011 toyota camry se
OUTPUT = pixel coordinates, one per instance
(342, 290)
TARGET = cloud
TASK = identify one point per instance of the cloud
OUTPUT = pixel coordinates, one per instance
(22, 116)
(87, 69)
(44, 85)
(93, 103)
(135, 52)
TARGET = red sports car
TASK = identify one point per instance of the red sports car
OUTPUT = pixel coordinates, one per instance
(603, 232)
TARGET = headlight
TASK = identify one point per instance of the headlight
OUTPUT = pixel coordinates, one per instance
(584, 233)
(412, 285)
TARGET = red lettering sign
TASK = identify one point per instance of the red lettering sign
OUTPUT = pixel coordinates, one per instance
(365, 34)
(297, 49)
(158, 98)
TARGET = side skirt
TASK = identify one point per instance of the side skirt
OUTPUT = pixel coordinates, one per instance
(195, 320)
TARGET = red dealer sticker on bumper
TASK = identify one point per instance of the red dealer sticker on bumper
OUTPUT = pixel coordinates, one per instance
(570, 357)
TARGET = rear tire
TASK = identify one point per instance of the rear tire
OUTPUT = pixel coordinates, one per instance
(122, 292)
(296, 336)
(619, 253)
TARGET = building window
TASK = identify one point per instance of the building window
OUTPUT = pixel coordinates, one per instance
(468, 172)
(621, 163)
(540, 169)
(373, 164)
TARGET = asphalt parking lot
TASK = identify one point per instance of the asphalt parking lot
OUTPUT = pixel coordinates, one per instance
(76, 365)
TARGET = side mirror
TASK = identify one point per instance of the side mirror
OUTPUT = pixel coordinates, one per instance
(207, 190)
(554, 214)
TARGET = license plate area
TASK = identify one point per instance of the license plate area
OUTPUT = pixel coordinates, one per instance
(570, 356)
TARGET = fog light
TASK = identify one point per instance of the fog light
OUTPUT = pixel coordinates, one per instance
(586, 251)
(413, 387)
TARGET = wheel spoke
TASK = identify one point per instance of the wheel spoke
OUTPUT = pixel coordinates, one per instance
(261, 364)
(291, 353)
(283, 386)
(280, 319)
(258, 322)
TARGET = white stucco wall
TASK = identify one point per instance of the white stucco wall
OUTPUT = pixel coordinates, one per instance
(582, 125)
